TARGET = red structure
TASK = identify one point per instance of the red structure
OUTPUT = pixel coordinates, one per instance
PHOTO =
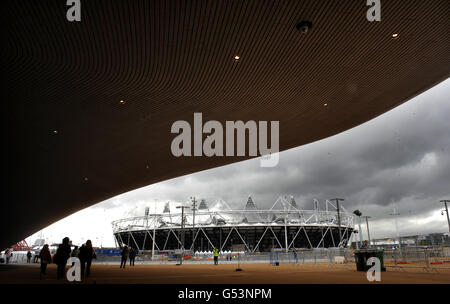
(21, 246)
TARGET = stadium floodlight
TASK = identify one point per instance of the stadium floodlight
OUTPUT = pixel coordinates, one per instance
(446, 210)
(367, 225)
(154, 233)
(337, 200)
(395, 213)
(358, 214)
(182, 232)
(194, 208)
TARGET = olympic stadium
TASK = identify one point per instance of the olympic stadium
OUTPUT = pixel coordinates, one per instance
(219, 226)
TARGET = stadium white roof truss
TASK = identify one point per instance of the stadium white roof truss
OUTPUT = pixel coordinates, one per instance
(284, 212)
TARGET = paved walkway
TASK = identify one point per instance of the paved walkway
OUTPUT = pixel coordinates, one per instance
(226, 274)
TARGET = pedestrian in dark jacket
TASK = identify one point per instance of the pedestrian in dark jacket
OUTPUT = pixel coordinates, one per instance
(46, 259)
(75, 252)
(29, 256)
(61, 257)
(132, 256)
(123, 262)
(86, 255)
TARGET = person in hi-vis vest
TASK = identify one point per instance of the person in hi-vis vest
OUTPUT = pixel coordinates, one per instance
(216, 256)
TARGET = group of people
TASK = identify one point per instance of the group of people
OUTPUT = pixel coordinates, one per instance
(30, 255)
(85, 253)
(128, 252)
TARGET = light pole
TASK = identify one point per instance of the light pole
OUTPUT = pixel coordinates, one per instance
(367, 224)
(358, 214)
(154, 231)
(395, 213)
(339, 217)
(182, 231)
(194, 205)
(448, 218)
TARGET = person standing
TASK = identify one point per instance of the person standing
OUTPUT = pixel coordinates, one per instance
(132, 256)
(123, 262)
(28, 257)
(8, 254)
(46, 259)
(216, 256)
(75, 252)
(86, 254)
(61, 257)
(295, 255)
(36, 256)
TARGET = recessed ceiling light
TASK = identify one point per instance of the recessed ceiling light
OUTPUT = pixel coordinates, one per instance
(122, 101)
(236, 57)
(395, 35)
(304, 26)
(325, 104)
(55, 132)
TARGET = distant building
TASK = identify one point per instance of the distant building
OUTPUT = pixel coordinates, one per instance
(432, 239)
(39, 242)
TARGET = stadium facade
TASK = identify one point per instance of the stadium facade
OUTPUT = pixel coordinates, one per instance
(282, 226)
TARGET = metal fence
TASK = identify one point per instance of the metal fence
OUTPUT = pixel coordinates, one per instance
(437, 258)
(281, 256)
(427, 259)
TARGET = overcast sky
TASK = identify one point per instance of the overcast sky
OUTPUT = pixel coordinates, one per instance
(401, 157)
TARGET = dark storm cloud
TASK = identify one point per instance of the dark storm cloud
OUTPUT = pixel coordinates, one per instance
(402, 156)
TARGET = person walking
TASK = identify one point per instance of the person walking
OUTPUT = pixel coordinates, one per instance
(86, 254)
(61, 257)
(46, 259)
(295, 255)
(123, 262)
(132, 256)
(8, 254)
(216, 256)
(28, 257)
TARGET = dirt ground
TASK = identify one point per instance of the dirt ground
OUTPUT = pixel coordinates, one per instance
(226, 274)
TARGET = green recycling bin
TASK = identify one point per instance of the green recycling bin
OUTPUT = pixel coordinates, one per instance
(361, 257)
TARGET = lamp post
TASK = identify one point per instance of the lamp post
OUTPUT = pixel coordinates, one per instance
(194, 205)
(367, 224)
(337, 200)
(446, 210)
(395, 213)
(154, 231)
(358, 214)
(448, 218)
(182, 231)
(356, 238)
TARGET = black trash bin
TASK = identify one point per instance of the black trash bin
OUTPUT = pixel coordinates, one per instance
(360, 260)
(361, 257)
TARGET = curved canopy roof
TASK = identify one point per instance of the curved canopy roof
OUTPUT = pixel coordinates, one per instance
(88, 106)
